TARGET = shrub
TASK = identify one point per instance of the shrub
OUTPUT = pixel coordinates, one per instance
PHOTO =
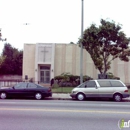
(69, 80)
(86, 78)
(111, 76)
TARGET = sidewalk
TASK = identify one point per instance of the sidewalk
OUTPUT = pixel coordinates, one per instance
(61, 96)
(66, 96)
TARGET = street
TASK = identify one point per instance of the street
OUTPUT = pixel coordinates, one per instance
(62, 114)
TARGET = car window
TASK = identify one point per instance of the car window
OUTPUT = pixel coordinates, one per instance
(20, 86)
(90, 84)
(116, 84)
(81, 85)
(32, 85)
(104, 83)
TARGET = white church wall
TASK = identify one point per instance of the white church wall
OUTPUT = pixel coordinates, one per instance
(58, 60)
(29, 61)
(68, 58)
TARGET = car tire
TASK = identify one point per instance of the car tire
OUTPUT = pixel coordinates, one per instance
(117, 97)
(80, 96)
(38, 96)
(3, 95)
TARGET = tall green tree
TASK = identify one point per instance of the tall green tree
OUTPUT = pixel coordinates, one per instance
(13, 61)
(2, 59)
(105, 43)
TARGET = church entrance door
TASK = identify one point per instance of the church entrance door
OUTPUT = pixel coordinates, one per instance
(45, 75)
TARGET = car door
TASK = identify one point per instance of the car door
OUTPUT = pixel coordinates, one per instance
(20, 89)
(91, 89)
(31, 89)
(105, 89)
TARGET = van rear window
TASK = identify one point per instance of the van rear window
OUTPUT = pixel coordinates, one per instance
(117, 84)
(110, 84)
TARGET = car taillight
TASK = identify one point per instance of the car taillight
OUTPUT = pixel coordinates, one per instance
(49, 90)
(126, 90)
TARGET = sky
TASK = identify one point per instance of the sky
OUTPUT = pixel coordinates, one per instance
(56, 21)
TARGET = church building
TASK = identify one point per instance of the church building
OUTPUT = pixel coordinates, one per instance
(44, 61)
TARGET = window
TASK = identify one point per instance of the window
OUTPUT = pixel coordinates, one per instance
(104, 83)
(20, 86)
(32, 85)
(88, 84)
(44, 67)
(116, 84)
(91, 84)
(82, 85)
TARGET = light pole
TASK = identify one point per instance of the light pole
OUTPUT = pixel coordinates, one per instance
(81, 45)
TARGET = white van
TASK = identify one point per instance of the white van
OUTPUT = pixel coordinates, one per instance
(102, 88)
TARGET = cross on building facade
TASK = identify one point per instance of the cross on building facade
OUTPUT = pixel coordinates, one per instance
(44, 53)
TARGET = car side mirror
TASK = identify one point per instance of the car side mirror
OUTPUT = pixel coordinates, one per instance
(85, 86)
(13, 87)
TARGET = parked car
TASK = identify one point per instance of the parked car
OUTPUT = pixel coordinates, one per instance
(26, 89)
(101, 88)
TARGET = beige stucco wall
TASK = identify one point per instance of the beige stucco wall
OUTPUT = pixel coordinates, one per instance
(67, 59)
(29, 61)
(121, 69)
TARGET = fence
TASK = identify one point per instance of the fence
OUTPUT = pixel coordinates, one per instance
(8, 83)
(11, 83)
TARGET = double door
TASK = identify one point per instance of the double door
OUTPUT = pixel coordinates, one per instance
(45, 76)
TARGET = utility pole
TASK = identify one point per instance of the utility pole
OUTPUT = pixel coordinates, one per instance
(81, 45)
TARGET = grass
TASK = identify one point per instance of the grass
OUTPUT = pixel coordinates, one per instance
(62, 89)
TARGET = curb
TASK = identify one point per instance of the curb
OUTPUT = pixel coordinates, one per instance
(63, 96)
(60, 98)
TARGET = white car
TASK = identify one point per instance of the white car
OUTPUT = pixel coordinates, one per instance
(101, 88)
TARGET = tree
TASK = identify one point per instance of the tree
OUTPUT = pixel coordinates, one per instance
(13, 61)
(72, 43)
(2, 59)
(105, 43)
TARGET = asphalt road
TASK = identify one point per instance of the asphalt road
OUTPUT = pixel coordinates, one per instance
(62, 115)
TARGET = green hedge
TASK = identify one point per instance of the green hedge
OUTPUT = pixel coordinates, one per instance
(69, 80)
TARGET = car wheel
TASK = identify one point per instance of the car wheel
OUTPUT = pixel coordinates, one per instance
(80, 96)
(3, 95)
(38, 96)
(117, 97)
